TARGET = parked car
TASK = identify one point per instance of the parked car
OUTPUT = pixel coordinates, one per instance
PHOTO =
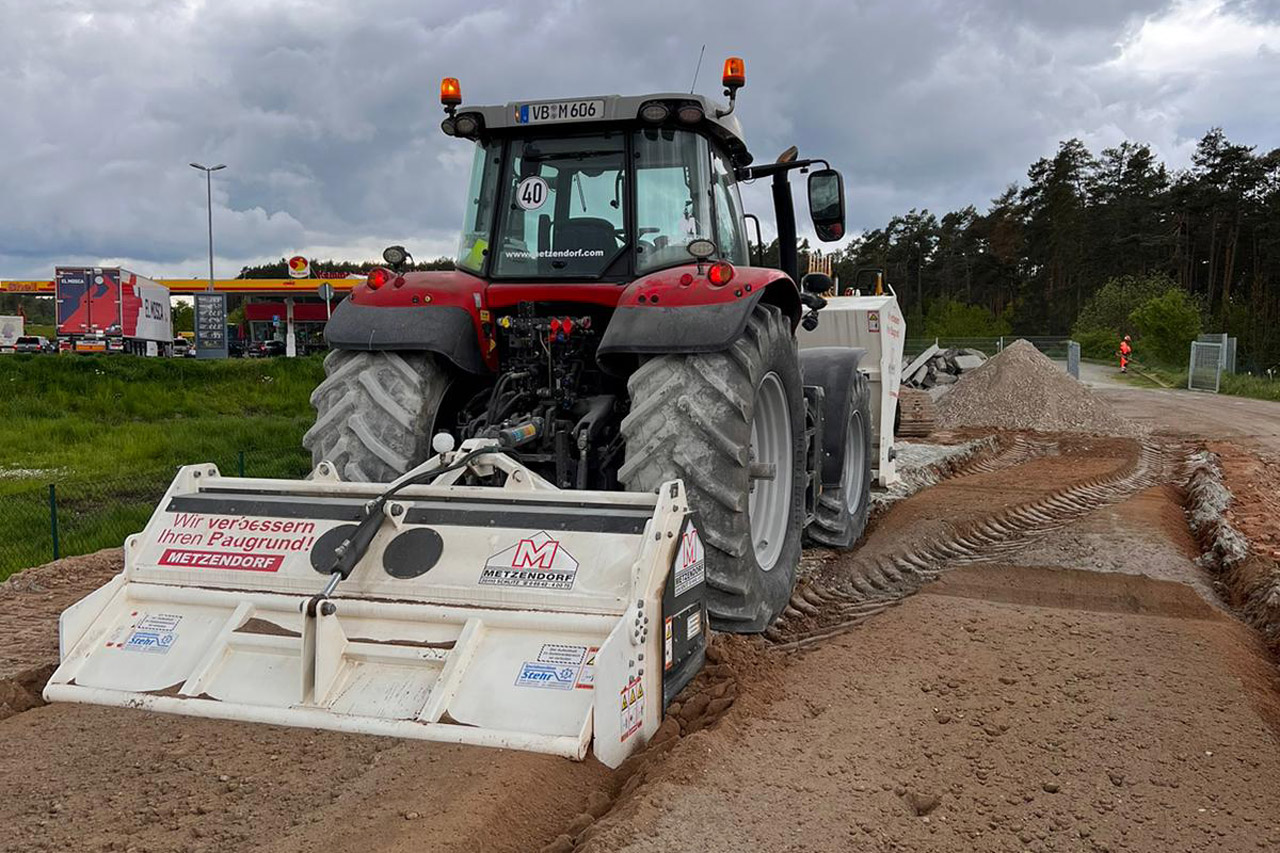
(181, 347)
(33, 343)
(266, 349)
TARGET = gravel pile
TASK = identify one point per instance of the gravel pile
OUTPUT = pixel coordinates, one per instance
(1022, 389)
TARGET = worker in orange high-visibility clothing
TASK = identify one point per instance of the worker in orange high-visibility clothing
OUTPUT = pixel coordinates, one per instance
(1126, 352)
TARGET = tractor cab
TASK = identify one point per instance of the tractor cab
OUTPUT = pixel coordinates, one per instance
(610, 188)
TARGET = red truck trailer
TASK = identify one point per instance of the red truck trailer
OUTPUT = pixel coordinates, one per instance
(109, 309)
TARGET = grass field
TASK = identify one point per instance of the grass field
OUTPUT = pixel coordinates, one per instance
(108, 431)
(1235, 384)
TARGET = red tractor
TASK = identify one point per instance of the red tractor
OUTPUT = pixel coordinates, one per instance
(605, 322)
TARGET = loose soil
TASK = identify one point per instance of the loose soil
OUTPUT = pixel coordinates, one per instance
(30, 603)
(1082, 689)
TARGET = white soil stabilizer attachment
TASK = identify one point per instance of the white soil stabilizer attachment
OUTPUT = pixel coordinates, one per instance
(873, 323)
(513, 615)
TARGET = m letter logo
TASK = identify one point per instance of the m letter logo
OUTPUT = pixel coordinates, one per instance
(531, 555)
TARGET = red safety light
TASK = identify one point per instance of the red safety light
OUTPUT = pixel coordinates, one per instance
(721, 272)
(450, 92)
(378, 277)
(735, 73)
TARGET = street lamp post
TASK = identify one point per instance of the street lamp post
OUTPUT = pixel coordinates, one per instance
(208, 185)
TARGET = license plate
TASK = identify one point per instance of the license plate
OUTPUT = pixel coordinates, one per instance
(559, 111)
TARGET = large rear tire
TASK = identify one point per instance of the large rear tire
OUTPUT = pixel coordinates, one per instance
(708, 419)
(375, 412)
(841, 515)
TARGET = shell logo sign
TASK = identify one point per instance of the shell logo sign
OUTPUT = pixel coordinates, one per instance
(299, 267)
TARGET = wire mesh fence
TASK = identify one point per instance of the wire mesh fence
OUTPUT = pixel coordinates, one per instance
(1205, 370)
(72, 515)
(1057, 348)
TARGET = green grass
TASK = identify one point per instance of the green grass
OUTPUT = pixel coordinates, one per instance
(109, 430)
(1233, 384)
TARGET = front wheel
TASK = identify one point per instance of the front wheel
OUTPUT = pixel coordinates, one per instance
(841, 514)
(731, 425)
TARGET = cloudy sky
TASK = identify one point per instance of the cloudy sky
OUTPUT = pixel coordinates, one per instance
(327, 113)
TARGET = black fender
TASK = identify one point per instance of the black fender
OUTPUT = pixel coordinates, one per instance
(832, 369)
(679, 329)
(446, 330)
(648, 330)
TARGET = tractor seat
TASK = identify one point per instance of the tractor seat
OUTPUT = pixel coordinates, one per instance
(589, 233)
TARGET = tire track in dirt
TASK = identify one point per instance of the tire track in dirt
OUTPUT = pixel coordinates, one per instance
(848, 590)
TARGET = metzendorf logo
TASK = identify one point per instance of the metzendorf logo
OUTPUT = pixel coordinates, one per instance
(537, 562)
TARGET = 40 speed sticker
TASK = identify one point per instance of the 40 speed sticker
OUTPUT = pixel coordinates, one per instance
(532, 193)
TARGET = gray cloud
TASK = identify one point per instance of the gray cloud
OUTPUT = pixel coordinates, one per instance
(327, 114)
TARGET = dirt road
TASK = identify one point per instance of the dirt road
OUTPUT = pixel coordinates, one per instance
(1174, 411)
(1023, 657)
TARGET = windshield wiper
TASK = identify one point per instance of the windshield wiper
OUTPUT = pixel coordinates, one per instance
(539, 157)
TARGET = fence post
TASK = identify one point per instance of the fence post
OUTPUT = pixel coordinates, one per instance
(240, 459)
(53, 519)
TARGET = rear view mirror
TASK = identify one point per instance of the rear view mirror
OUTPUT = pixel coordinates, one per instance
(826, 204)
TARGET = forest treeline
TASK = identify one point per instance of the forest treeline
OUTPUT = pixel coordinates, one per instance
(1040, 251)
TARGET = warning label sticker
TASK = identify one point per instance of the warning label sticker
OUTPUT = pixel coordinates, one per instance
(538, 562)
(668, 642)
(159, 622)
(632, 709)
(562, 655)
(587, 676)
(691, 561)
(545, 675)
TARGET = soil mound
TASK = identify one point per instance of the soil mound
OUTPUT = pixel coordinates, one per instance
(1022, 389)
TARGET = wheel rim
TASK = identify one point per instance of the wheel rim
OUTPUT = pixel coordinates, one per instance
(769, 504)
(855, 463)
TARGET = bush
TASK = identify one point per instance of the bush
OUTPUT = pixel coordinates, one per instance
(949, 319)
(1098, 343)
(1167, 325)
(1108, 310)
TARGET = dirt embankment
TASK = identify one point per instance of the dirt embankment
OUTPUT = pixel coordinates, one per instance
(1233, 505)
(31, 602)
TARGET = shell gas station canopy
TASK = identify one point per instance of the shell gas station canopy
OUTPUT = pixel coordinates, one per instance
(179, 286)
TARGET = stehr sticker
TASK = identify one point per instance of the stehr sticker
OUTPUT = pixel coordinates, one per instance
(693, 626)
(150, 642)
(562, 655)
(690, 561)
(547, 675)
(632, 709)
(587, 676)
(538, 562)
(532, 193)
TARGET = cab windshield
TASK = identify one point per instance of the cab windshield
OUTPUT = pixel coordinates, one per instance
(565, 205)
